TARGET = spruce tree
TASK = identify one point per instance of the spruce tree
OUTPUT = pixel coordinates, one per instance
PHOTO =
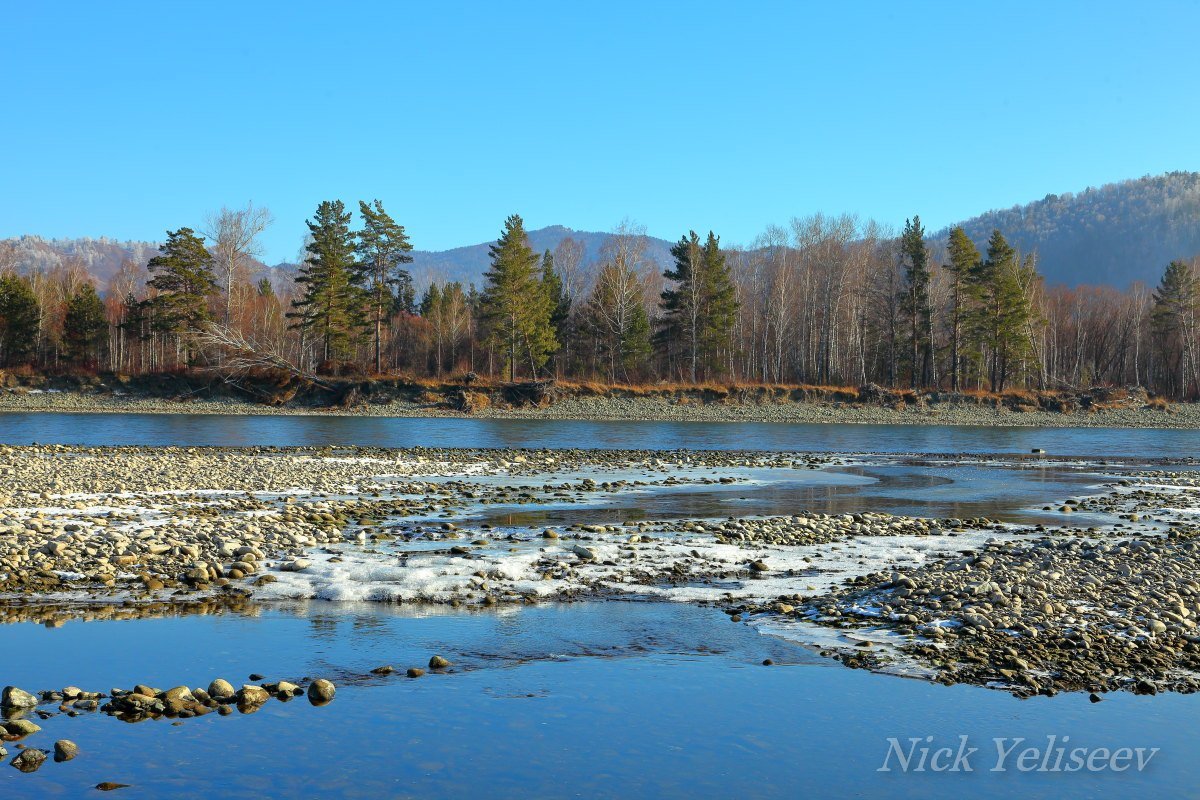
(700, 310)
(85, 327)
(20, 320)
(963, 258)
(916, 303)
(681, 303)
(183, 276)
(515, 305)
(1173, 323)
(331, 305)
(383, 250)
(1002, 314)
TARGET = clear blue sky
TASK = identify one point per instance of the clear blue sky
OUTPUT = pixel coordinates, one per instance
(124, 119)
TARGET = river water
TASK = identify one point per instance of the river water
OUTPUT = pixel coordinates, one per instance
(296, 430)
(594, 699)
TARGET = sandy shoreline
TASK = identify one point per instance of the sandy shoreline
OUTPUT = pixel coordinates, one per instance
(648, 409)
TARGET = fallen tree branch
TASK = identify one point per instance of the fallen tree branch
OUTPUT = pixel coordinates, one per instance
(241, 356)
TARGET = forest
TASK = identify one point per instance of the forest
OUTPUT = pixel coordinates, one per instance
(824, 300)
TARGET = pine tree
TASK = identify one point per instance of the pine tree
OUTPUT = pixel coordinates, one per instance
(1173, 324)
(916, 302)
(515, 305)
(700, 310)
(85, 327)
(331, 304)
(183, 276)
(963, 258)
(383, 250)
(20, 319)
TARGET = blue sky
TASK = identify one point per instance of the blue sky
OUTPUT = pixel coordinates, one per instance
(124, 119)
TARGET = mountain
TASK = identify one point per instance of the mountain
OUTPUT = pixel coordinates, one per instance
(1117, 234)
(467, 264)
(102, 257)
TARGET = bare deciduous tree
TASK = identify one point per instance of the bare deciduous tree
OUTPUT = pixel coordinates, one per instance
(234, 237)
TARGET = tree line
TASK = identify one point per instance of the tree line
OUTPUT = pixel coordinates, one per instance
(826, 300)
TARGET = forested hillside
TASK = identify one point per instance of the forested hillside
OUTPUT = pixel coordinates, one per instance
(1115, 235)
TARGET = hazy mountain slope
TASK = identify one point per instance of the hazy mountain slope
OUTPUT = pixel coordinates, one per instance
(1115, 234)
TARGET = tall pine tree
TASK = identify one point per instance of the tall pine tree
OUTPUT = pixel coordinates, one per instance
(383, 250)
(183, 276)
(916, 303)
(515, 305)
(331, 305)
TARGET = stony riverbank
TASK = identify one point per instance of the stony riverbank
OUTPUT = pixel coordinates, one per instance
(698, 405)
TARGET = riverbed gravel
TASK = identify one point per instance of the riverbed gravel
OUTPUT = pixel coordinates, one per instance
(1111, 603)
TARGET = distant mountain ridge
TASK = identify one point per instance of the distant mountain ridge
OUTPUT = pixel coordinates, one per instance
(1114, 234)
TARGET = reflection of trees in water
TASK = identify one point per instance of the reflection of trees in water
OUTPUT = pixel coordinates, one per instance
(56, 616)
